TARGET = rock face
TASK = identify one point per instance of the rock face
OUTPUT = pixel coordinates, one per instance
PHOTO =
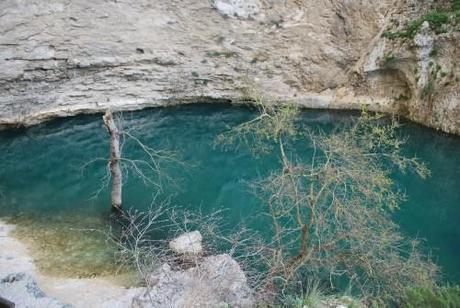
(187, 244)
(420, 71)
(216, 282)
(22, 290)
(61, 58)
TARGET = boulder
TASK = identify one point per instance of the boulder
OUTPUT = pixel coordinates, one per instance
(217, 281)
(187, 244)
(238, 8)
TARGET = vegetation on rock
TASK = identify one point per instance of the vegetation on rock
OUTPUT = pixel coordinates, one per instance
(429, 297)
(437, 18)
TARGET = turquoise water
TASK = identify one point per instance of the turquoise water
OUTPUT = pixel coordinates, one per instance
(46, 184)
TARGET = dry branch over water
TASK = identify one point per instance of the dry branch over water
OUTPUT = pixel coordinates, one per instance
(331, 212)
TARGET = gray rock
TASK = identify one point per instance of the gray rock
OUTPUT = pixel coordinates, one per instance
(216, 282)
(187, 244)
(22, 290)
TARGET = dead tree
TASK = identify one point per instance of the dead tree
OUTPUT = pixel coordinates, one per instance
(331, 211)
(114, 162)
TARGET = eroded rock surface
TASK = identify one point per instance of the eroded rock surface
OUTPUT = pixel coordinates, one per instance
(419, 72)
(22, 289)
(65, 57)
(217, 281)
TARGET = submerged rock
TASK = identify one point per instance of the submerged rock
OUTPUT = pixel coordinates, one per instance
(217, 281)
(187, 244)
(22, 289)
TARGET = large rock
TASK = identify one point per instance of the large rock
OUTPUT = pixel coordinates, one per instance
(23, 291)
(238, 8)
(217, 282)
(187, 244)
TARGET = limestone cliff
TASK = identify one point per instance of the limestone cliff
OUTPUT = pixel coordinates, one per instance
(414, 62)
(64, 57)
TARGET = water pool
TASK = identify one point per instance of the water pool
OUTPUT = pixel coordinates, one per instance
(48, 189)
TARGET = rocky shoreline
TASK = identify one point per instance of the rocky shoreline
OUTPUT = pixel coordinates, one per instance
(215, 281)
(22, 284)
(331, 100)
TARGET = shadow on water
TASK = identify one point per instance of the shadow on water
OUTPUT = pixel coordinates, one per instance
(51, 192)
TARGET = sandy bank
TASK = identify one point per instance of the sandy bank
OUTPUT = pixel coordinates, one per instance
(23, 284)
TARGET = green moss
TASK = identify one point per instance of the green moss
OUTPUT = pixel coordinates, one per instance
(428, 89)
(456, 5)
(218, 54)
(402, 97)
(434, 52)
(437, 19)
(389, 57)
(456, 17)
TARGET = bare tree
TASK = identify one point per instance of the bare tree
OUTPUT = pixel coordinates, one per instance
(114, 162)
(147, 168)
(331, 211)
(137, 247)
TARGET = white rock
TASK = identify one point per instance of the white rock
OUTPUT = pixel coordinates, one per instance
(238, 8)
(424, 40)
(188, 243)
(217, 282)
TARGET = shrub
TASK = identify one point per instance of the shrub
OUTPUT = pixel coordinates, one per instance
(218, 54)
(456, 5)
(436, 19)
(319, 228)
(444, 297)
(428, 89)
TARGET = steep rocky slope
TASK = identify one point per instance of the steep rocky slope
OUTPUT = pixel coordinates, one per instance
(414, 61)
(64, 57)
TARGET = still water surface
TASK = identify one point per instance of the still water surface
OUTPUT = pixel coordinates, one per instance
(48, 188)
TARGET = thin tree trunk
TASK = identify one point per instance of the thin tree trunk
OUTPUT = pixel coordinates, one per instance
(114, 163)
